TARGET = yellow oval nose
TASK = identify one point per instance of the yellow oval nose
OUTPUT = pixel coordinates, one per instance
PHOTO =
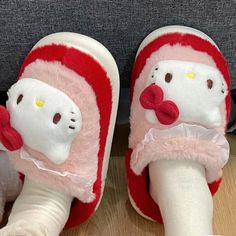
(39, 103)
(190, 76)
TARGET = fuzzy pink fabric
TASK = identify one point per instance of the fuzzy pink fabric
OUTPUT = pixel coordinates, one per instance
(184, 141)
(82, 161)
(139, 125)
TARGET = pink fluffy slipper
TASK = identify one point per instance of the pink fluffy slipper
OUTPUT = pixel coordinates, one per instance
(180, 105)
(64, 107)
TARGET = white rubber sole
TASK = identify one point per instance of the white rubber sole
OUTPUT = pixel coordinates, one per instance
(101, 54)
(171, 29)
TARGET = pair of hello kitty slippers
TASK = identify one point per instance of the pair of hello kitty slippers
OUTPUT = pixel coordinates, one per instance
(59, 119)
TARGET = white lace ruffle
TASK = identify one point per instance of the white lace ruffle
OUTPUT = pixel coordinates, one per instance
(85, 185)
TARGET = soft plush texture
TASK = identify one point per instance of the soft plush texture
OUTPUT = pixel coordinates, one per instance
(176, 47)
(47, 112)
(76, 74)
(166, 52)
(82, 159)
(189, 142)
(196, 89)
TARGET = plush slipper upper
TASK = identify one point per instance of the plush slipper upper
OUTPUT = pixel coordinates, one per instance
(178, 78)
(180, 104)
(61, 107)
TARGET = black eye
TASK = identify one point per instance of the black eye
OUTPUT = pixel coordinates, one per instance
(168, 77)
(19, 99)
(56, 118)
(209, 83)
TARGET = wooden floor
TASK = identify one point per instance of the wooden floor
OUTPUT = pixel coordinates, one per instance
(116, 217)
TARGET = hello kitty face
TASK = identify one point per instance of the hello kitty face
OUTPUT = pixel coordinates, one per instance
(198, 91)
(47, 119)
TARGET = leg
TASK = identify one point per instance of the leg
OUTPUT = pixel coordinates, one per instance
(38, 211)
(182, 193)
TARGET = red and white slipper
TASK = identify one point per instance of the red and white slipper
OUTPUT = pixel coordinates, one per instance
(180, 106)
(64, 107)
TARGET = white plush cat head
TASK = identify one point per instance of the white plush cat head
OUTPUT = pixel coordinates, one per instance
(198, 91)
(47, 119)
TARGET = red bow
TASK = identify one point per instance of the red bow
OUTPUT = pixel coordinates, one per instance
(9, 137)
(151, 98)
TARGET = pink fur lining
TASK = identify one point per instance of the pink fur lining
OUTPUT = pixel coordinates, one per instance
(84, 150)
(184, 141)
